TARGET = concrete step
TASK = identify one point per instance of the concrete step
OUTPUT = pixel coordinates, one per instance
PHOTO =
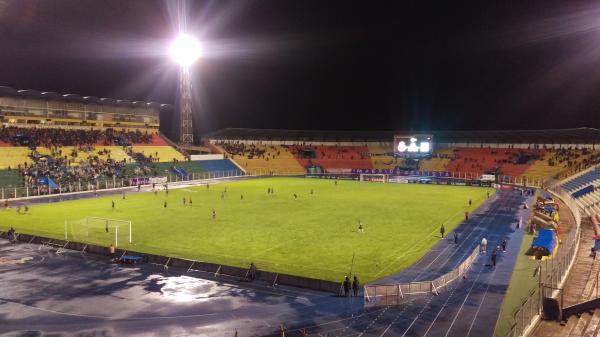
(592, 327)
(581, 325)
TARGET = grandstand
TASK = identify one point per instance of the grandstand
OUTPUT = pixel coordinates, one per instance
(534, 156)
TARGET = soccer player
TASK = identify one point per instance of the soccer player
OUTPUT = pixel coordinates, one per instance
(222, 195)
(106, 226)
(442, 230)
(470, 202)
(312, 192)
(295, 196)
(360, 227)
(241, 197)
(184, 201)
(19, 209)
(190, 201)
(268, 190)
(26, 209)
(113, 204)
(123, 195)
(155, 192)
(214, 214)
(165, 204)
(225, 190)
(207, 185)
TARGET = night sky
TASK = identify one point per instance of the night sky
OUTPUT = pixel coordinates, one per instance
(331, 65)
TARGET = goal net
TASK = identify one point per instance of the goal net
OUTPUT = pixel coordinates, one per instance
(377, 177)
(103, 231)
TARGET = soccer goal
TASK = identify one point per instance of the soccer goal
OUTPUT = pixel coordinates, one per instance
(377, 177)
(98, 230)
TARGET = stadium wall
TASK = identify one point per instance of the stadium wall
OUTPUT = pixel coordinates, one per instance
(185, 265)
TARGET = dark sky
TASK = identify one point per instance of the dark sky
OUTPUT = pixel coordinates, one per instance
(370, 65)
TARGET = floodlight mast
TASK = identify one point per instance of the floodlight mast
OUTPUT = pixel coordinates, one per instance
(185, 106)
(185, 50)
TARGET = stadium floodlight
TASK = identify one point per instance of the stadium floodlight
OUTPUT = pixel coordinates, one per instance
(185, 50)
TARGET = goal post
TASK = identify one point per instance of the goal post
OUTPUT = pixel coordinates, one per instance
(376, 177)
(99, 231)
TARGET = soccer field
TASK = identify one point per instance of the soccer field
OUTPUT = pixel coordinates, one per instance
(314, 236)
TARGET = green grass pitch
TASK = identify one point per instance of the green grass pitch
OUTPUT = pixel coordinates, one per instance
(314, 236)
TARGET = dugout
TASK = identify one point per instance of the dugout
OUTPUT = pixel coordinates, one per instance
(544, 243)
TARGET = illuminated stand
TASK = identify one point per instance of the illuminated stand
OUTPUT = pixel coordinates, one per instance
(185, 50)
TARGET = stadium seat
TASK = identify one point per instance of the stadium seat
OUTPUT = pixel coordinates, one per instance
(13, 156)
(277, 159)
(383, 158)
(219, 165)
(163, 153)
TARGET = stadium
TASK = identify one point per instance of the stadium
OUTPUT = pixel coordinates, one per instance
(120, 217)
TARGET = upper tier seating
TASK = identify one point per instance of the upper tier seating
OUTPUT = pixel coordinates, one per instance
(262, 159)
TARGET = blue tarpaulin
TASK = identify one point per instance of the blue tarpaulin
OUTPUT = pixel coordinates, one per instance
(546, 240)
(48, 182)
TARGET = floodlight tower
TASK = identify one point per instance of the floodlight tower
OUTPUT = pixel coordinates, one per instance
(185, 50)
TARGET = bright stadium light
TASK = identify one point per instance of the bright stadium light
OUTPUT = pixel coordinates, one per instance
(185, 50)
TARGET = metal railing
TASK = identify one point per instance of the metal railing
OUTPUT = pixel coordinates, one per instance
(106, 184)
(391, 294)
(551, 273)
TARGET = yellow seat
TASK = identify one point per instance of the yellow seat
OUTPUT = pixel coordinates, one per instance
(13, 156)
(277, 159)
(163, 153)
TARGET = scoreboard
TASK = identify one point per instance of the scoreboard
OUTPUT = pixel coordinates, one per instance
(413, 145)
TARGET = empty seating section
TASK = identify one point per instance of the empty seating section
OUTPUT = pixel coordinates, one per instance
(583, 187)
(219, 165)
(13, 156)
(382, 157)
(261, 159)
(510, 162)
(334, 157)
(159, 153)
(544, 168)
(434, 164)
(591, 177)
(10, 178)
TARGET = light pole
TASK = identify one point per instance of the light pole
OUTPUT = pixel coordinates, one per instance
(185, 50)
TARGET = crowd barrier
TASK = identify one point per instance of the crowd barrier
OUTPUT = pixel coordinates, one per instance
(392, 294)
(551, 273)
(106, 185)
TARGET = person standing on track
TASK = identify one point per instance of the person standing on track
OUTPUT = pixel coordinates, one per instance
(442, 230)
(346, 286)
(483, 245)
(504, 245)
(494, 255)
(455, 238)
(355, 286)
